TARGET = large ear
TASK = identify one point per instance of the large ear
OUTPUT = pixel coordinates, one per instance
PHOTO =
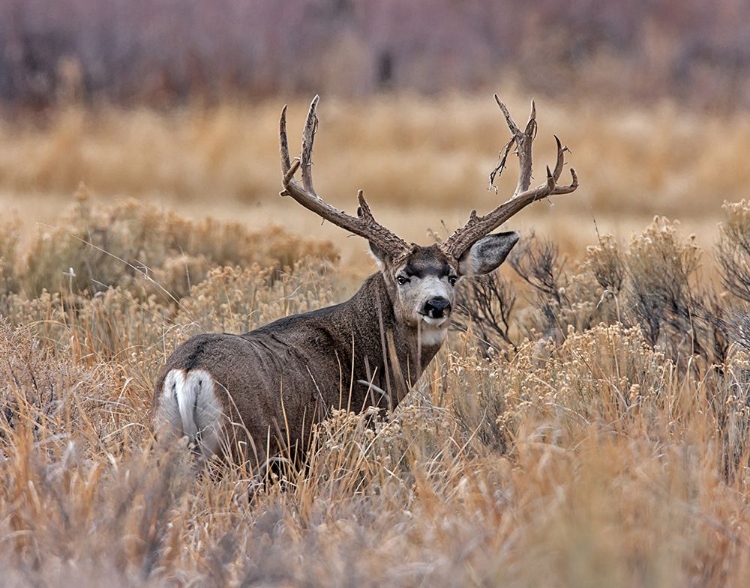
(487, 254)
(377, 254)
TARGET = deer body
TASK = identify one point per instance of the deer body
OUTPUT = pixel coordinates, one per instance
(269, 386)
(281, 378)
(256, 395)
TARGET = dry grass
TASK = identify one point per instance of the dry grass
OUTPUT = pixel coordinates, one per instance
(597, 451)
(414, 157)
(604, 458)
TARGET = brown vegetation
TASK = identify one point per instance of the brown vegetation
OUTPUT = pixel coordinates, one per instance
(414, 158)
(588, 425)
(608, 445)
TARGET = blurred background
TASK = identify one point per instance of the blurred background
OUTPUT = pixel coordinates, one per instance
(176, 102)
(168, 52)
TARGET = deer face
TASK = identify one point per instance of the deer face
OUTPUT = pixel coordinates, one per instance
(422, 284)
(422, 287)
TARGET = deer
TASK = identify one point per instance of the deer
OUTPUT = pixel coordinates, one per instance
(255, 396)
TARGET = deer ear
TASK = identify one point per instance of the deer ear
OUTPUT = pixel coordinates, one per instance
(377, 254)
(487, 254)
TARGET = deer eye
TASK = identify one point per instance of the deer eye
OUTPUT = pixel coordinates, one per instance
(401, 280)
(452, 280)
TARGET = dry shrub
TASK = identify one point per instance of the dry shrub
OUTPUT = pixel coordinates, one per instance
(562, 298)
(57, 397)
(605, 261)
(235, 300)
(605, 376)
(48, 396)
(657, 285)
(9, 235)
(82, 496)
(484, 307)
(617, 457)
(80, 520)
(653, 290)
(590, 456)
(557, 299)
(363, 454)
(733, 256)
(639, 513)
(733, 249)
(660, 269)
(654, 284)
(115, 330)
(150, 250)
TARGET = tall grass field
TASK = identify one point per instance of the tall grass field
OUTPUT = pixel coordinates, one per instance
(587, 423)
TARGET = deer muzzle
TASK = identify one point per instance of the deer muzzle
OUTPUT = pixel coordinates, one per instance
(437, 308)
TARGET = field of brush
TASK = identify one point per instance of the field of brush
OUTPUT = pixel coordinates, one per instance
(587, 424)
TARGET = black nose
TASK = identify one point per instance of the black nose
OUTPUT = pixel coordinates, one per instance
(436, 307)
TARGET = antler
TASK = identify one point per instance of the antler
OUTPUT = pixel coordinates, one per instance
(363, 225)
(479, 226)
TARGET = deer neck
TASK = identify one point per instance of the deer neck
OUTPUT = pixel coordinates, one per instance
(406, 349)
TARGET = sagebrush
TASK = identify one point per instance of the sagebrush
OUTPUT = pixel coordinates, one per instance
(593, 430)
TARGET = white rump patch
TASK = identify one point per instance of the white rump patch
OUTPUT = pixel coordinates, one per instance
(199, 408)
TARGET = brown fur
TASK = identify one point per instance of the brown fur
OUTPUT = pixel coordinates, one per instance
(276, 381)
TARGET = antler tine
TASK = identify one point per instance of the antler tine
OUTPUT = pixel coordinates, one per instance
(286, 163)
(365, 225)
(560, 158)
(308, 137)
(479, 226)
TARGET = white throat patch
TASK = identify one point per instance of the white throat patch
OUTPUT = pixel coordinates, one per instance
(430, 333)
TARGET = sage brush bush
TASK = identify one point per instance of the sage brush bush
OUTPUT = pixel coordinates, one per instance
(148, 250)
(654, 283)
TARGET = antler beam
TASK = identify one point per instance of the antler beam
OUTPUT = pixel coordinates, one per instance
(479, 226)
(363, 225)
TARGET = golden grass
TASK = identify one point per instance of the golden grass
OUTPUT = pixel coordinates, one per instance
(585, 494)
(416, 158)
(595, 453)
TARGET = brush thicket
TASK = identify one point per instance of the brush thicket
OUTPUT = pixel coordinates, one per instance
(591, 439)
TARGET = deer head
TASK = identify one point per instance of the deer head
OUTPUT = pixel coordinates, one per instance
(420, 279)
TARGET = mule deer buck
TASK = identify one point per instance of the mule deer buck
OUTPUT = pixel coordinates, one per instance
(254, 396)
